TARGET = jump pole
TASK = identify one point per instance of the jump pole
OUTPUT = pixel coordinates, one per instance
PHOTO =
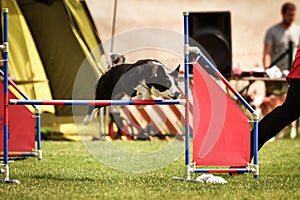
(186, 92)
(188, 170)
(96, 102)
(196, 50)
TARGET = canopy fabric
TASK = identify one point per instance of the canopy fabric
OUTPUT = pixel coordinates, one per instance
(24, 61)
(86, 33)
(64, 35)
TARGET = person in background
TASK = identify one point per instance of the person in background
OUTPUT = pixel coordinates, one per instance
(276, 43)
(284, 114)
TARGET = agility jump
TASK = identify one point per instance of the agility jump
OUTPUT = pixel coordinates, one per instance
(19, 138)
(190, 167)
(203, 152)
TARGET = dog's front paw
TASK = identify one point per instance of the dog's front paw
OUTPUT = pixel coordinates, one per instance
(139, 97)
(141, 106)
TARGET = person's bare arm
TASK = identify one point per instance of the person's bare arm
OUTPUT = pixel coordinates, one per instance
(267, 55)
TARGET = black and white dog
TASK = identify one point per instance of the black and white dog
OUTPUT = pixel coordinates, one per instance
(139, 81)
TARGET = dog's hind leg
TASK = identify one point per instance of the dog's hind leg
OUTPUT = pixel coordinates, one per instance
(92, 112)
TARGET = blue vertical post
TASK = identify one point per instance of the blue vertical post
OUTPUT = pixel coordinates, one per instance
(38, 132)
(255, 147)
(4, 48)
(5, 58)
(186, 90)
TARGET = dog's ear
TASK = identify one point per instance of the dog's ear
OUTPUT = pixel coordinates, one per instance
(175, 72)
(177, 69)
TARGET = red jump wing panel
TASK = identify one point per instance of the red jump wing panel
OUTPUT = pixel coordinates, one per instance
(221, 130)
(21, 126)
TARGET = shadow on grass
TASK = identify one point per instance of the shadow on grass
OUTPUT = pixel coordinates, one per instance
(69, 179)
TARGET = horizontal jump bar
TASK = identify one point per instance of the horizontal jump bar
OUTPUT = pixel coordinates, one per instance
(96, 102)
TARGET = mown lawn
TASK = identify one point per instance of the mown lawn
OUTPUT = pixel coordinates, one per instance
(68, 171)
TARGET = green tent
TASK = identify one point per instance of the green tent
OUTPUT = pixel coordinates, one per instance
(49, 40)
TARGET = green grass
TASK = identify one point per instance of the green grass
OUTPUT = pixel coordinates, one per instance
(68, 171)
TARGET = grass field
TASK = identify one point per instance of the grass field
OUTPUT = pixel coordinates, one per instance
(68, 171)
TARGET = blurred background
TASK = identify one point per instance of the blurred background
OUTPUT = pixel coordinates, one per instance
(249, 20)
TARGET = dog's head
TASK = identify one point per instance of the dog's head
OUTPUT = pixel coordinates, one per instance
(117, 59)
(164, 82)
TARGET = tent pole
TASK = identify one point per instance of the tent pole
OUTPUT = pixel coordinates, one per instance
(113, 26)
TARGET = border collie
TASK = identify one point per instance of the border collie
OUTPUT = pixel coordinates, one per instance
(139, 81)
